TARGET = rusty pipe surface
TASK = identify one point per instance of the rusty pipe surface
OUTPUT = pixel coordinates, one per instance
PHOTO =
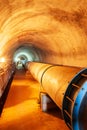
(67, 86)
(54, 79)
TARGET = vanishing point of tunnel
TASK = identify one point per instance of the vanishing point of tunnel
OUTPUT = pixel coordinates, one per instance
(43, 51)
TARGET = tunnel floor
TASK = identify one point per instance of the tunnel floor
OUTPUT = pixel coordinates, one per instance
(22, 111)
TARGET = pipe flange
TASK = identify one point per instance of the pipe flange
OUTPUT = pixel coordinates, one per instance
(74, 93)
(79, 113)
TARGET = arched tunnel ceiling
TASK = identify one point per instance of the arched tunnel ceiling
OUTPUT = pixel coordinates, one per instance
(56, 29)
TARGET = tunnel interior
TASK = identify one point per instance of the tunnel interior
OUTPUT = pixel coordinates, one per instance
(25, 54)
(48, 32)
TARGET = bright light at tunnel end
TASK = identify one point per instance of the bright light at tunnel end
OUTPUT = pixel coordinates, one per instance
(2, 59)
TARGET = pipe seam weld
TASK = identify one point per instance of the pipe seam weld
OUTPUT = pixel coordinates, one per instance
(45, 72)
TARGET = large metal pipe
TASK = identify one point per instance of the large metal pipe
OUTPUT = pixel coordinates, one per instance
(67, 86)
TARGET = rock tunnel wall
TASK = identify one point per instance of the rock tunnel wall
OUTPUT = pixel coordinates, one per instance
(58, 30)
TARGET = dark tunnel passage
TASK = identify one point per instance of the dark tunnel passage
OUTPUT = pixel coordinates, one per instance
(25, 54)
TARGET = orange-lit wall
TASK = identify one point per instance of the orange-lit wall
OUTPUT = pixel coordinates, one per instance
(57, 28)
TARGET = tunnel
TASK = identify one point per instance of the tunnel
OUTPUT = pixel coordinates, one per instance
(34, 33)
(25, 54)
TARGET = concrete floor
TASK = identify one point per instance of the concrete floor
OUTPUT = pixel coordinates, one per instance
(22, 111)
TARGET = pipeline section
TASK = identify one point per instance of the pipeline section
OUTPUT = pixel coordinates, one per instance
(6, 76)
(67, 86)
